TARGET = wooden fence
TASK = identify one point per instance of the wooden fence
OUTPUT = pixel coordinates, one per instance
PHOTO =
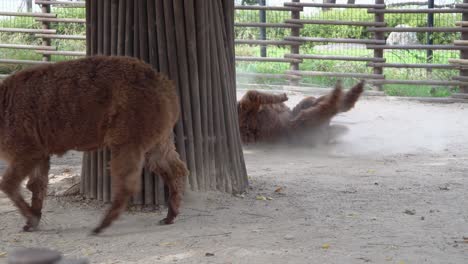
(44, 29)
(375, 64)
(295, 59)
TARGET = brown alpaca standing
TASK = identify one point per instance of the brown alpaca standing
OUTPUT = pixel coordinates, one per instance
(265, 117)
(86, 104)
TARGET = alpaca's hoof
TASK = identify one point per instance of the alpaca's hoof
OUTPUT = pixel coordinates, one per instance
(31, 224)
(27, 228)
(166, 221)
(96, 231)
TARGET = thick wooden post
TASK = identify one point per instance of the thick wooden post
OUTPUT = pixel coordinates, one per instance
(191, 41)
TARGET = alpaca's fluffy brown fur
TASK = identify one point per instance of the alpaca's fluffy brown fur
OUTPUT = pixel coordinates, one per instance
(265, 117)
(85, 104)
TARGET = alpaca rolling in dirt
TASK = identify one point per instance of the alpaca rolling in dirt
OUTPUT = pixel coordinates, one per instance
(86, 104)
(264, 117)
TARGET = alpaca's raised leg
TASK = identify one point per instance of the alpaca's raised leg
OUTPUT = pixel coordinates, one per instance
(350, 98)
(319, 114)
(347, 102)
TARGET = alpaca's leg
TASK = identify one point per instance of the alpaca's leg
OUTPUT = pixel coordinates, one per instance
(37, 184)
(164, 161)
(126, 165)
(175, 180)
(17, 171)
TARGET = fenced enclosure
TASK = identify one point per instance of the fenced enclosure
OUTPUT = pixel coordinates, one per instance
(404, 47)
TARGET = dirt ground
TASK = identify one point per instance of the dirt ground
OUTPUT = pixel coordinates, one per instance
(391, 190)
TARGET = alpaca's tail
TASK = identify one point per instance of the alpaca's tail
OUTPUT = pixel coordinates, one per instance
(351, 97)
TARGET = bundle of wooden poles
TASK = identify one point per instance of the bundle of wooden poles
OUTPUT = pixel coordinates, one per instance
(192, 41)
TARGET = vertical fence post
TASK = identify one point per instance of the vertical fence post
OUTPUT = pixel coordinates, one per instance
(379, 52)
(295, 32)
(463, 52)
(29, 5)
(430, 23)
(45, 25)
(262, 16)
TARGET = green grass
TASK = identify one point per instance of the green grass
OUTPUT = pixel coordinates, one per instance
(391, 56)
(417, 90)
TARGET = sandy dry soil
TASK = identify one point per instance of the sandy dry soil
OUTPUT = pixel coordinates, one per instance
(391, 190)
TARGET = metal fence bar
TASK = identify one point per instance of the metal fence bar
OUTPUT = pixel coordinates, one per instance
(413, 65)
(333, 57)
(418, 47)
(270, 8)
(54, 36)
(265, 25)
(62, 20)
(27, 14)
(417, 29)
(335, 22)
(336, 40)
(27, 62)
(28, 30)
(267, 75)
(266, 42)
(330, 5)
(416, 82)
(416, 11)
(31, 47)
(336, 74)
(79, 4)
(62, 52)
(268, 59)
